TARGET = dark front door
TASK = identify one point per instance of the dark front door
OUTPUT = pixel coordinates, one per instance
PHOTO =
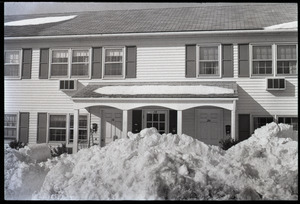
(244, 126)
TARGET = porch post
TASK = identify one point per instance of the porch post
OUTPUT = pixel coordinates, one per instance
(75, 133)
(125, 123)
(233, 121)
(179, 122)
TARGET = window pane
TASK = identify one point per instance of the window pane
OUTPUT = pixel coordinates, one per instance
(162, 126)
(80, 69)
(209, 68)
(281, 83)
(82, 121)
(11, 70)
(10, 132)
(286, 67)
(10, 120)
(286, 51)
(57, 135)
(59, 56)
(80, 56)
(149, 117)
(57, 121)
(155, 125)
(71, 135)
(59, 70)
(113, 55)
(82, 134)
(161, 117)
(209, 53)
(11, 57)
(155, 117)
(71, 121)
(262, 52)
(113, 69)
(149, 125)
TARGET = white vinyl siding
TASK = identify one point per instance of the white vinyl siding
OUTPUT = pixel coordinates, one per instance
(235, 61)
(160, 63)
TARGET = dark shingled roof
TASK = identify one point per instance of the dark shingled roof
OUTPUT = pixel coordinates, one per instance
(211, 17)
(89, 90)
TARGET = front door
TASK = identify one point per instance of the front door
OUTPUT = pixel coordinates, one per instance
(209, 125)
(112, 126)
(157, 119)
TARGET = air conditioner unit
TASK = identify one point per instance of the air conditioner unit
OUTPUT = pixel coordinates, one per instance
(275, 84)
(69, 85)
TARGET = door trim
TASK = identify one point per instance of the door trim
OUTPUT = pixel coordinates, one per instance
(144, 120)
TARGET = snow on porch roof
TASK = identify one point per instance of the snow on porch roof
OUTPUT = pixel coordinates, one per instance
(159, 90)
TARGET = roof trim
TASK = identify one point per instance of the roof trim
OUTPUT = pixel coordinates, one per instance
(156, 99)
(149, 34)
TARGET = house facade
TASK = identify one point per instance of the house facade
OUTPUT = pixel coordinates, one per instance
(210, 72)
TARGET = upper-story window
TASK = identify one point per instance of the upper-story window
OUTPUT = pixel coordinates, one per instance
(62, 65)
(113, 62)
(209, 61)
(12, 63)
(262, 60)
(286, 59)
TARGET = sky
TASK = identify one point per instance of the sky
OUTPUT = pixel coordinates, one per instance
(19, 8)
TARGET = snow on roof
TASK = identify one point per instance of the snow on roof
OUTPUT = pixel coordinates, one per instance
(162, 89)
(289, 25)
(38, 21)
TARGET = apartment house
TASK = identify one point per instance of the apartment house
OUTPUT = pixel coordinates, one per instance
(210, 72)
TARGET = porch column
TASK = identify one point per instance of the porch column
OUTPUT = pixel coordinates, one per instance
(125, 123)
(233, 121)
(179, 122)
(75, 133)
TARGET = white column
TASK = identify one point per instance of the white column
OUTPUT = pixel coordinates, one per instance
(179, 122)
(75, 132)
(125, 123)
(233, 121)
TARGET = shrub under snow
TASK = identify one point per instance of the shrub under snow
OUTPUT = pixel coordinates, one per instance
(151, 166)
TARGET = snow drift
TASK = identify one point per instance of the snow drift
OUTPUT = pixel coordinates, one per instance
(151, 166)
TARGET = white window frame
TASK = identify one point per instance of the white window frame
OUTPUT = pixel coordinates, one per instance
(123, 62)
(48, 128)
(69, 63)
(17, 126)
(276, 60)
(144, 118)
(219, 60)
(251, 59)
(20, 63)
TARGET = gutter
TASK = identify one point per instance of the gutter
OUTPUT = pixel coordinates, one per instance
(151, 34)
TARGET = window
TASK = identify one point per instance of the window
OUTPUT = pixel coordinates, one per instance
(67, 85)
(113, 62)
(80, 63)
(59, 63)
(286, 59)
(262, 60)
(57, 128)
(289, 120)
(82, 128)
(262, 121)
(10, 126)
(12, 63)
(209, 61)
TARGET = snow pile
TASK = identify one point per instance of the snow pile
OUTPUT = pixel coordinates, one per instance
(38, 21)
(162, 89)
(289, 25)
(153, 166)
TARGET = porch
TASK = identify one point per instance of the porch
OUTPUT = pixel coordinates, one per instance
(207, 117)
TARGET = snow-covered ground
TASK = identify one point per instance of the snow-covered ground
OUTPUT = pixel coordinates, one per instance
(153, 166)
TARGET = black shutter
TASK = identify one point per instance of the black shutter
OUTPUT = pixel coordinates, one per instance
(243, 60)
(136, 121)
(190, 61)
(173, 121)
(227, 61)
(24, 127)
(244, 126)
(26, 63)
(97, 63)
(131, 62)
(44, 63)
(42, 128)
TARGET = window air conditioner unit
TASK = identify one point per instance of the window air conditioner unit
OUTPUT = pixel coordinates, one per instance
(68, 85)
(275, 84)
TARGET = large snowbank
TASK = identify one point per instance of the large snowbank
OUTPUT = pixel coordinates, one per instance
(163, 89)
(153, 166)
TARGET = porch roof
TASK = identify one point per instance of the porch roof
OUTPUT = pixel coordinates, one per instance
(218, 89)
